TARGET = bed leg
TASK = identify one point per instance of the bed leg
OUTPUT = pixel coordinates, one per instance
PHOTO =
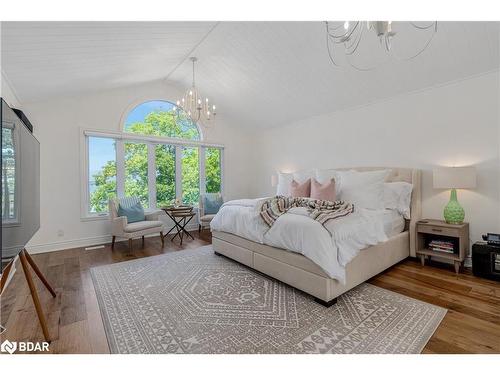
(326, 303)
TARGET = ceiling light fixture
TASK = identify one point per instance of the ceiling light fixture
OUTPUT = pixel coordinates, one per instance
(197, 107)
(349, 36)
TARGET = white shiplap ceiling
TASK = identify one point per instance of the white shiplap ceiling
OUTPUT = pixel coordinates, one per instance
(260, 74)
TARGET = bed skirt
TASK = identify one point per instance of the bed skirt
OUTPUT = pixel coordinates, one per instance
(298, 271)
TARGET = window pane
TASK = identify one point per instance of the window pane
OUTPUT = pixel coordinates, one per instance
(212, 169)
(8, 174)
(102, 173)
(136, 172)
(165, 175)
(161, 118)
(190, 176)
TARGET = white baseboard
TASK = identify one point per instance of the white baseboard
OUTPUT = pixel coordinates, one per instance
(84, 242)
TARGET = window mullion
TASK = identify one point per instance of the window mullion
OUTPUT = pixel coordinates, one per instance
(120, 168)
(151, 175)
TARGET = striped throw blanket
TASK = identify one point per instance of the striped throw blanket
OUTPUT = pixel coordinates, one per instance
(319, 210)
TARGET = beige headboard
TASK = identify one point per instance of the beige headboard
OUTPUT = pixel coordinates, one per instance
(414, 177)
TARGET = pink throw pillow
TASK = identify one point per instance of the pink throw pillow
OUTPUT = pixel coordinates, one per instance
(325, 192)
(302, 190)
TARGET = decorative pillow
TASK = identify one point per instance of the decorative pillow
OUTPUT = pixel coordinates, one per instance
(397, 196)
(324, 176)
(324, 191)
(285, 180)
(212, 203)
(363, 189)
(134, 213)
(300, 190)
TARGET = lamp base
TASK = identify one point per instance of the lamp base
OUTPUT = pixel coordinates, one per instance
(453, 212)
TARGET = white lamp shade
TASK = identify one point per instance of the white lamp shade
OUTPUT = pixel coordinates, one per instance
(454, 178)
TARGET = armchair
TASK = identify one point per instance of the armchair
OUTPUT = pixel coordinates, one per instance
(121, 228)
(205, 215)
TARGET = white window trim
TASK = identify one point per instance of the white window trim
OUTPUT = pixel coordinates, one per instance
(16, 220)
(151, 142)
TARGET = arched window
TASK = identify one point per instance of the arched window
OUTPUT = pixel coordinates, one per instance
(161, 118)
(159, 171)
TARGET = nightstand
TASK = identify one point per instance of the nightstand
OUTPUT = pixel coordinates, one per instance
(432, 232)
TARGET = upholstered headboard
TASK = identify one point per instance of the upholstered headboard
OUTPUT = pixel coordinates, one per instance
(414, 177)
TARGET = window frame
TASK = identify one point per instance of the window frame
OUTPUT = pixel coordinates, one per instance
(16, 139)
(120, 138)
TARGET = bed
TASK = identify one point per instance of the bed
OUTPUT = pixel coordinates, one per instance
(302, 273)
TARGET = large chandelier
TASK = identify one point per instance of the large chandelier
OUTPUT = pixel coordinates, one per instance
(347, 40)
(197, 107)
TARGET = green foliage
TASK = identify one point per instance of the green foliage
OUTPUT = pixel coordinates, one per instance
(165, 124)
(190, 176)
(105, 183)
(165, 175)
(212, 169)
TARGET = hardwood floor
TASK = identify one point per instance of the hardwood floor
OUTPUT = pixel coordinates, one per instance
(472, 324)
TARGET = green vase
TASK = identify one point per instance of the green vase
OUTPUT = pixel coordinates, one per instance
(453, 212)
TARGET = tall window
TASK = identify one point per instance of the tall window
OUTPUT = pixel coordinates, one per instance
(165, 174)
(213, 170)
(136, 172)
(190, 175)
(101, 173)
(157, 170)
(8, 173)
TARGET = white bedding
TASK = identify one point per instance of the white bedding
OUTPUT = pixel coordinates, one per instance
(331, 246)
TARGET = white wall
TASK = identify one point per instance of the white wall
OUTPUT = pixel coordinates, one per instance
(58, 124)
(456, 124)
(7, 93)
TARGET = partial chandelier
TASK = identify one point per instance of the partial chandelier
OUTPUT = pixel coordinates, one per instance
(197, 107)
(347, 40)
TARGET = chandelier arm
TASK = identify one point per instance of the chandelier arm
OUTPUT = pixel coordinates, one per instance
(357, 67)
(419, 52)
(347, 34)
(328, 47)
(358, 41)
(333, 36)
(433, 24)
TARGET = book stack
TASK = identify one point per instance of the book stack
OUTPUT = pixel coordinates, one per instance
(441, 246)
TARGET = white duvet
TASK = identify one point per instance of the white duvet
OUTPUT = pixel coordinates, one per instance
(331, 246)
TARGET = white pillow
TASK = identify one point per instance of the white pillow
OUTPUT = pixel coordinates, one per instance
(363, 189)
(285, 179)
(397, 196)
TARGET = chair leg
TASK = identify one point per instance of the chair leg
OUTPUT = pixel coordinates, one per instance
(199, 228)
(162, 240)
(113, 242)
(143, 241)
(130, 244)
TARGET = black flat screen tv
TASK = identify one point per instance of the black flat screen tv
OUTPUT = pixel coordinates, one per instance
(20, 184)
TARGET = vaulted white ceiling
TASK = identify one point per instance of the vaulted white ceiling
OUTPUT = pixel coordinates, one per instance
(260, 74)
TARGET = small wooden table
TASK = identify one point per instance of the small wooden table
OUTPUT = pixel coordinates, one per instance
(181, 216)
(458, 234)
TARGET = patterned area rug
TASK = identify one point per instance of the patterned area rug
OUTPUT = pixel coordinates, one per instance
(194, 301)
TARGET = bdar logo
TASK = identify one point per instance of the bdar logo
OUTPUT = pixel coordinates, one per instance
(9, 347)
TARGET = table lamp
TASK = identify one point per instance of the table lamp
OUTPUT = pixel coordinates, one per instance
(454, 178)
